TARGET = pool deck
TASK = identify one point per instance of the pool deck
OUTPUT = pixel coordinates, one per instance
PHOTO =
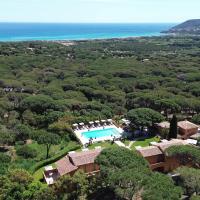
(84, 140)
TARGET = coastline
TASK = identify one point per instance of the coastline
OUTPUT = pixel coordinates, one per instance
(84, 39)
(77, 32)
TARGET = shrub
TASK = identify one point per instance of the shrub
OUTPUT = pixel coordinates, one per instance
(4, 163)
(196, 119)
(27, 152)
(4, 158)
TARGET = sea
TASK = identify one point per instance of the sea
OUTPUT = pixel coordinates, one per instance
(10, 32)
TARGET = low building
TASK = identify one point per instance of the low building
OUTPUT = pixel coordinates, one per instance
(157, 158)
(50, 175)
(171, 163)
(154, 156)
(85, 160)
(64, 166)
(72, 162)
(187, 129)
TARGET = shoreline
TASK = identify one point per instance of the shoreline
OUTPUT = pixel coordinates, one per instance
(79, 32)
(83, 39)
(70, 42)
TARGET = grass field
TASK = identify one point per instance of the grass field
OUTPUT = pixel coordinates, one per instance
(144, 142)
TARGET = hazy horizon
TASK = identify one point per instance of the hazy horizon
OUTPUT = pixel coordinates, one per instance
(27, 22)
(98, 11)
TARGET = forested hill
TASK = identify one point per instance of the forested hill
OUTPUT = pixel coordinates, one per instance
(188, 27)
(45, 87)
(97, 79)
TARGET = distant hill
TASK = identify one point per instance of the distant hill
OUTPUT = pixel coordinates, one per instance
(191, 27)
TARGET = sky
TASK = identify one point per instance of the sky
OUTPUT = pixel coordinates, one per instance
(106, 11)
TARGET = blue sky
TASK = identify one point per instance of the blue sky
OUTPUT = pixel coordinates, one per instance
(99, 10)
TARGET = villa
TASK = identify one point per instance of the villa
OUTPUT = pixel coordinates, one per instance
(72, 162)
(102, 130)
(154, 156)
(85, 160)
(157, 158)
(186, 129)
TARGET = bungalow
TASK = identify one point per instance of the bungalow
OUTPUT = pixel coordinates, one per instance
(71, 163)
(85, 160)
(187, 129)
(171, 163)
(64, 166)
(154, 156)
(157, 158)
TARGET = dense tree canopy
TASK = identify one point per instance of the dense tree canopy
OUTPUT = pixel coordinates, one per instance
(159, 186)
(45, 87)
(141, 117)
(128, 175)
(185, 154)
(189, 180)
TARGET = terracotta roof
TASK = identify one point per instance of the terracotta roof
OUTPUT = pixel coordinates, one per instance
(187, 125)
(149, 151)
(64, 166)
(85, 157)
(164, 125)
(164, 145)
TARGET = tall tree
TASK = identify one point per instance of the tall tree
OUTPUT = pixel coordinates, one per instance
(189, 180)
(173, 130)
(127, 174)
(185, 154)
(198, 141)
(141, 117)
(75, 187)
(48, 139)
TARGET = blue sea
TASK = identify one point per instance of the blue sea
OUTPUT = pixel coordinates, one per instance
(59, 31)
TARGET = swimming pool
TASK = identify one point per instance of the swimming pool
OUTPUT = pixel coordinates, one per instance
(95, 134)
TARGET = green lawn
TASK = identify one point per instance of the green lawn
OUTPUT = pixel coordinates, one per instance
(144, 142)
(41, 149)
(102, 144)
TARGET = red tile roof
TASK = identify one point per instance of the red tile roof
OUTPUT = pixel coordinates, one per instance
(85, 157)
(149, 151)
(164, 145)
(187, 125)
(64, 166)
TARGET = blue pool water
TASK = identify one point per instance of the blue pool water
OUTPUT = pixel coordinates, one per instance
(52, 31)
(101, 133)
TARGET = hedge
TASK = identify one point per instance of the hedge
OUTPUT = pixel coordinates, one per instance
(61, 154)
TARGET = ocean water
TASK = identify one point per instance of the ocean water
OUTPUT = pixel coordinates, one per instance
(53, 31)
